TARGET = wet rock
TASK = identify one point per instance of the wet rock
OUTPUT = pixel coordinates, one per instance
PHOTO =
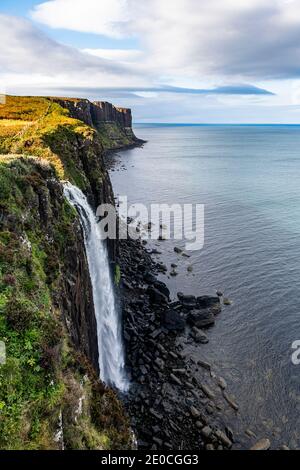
(173, 273)
(209, 447)
(208, 392)
(219, 293)
(221, 436)
(155, 252)
(187, 301)
(175, 379)
(204, 364)
(206, 301)
(230, 401)
(206, 432)
(126, 284)
(201, 318)
(229, 433)
(227, 301)
(174, 266)
(156, 415)
(156, 333)
(190, 269)
(173, 321)
(160, 363)
(222, 383)
(178, 250)
(158, 441)
(161, 287)
(149, 278)
(194, 412)
(263, 444)
(157, 297)
(199, 336)
(250, 433)
(162, 267)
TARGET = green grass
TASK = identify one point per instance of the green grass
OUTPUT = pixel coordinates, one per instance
(43, 375)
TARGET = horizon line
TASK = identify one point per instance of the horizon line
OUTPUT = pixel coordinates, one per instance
(216, 124)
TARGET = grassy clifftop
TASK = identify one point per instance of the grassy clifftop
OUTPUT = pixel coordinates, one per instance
(50, 396)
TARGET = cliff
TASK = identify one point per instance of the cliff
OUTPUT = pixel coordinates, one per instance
(114, 124)
(50, 395)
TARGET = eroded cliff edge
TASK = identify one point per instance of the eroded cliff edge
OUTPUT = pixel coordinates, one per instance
(50, 395)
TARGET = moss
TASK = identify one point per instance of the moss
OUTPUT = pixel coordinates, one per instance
(117, 275)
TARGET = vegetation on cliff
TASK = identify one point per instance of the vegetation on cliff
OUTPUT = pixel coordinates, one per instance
(50, 396)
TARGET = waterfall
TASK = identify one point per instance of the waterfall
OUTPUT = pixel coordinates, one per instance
(110, 344)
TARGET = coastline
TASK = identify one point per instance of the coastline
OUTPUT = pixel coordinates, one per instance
(176, 401)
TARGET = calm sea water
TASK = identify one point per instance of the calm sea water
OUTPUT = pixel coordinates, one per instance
(248, 177)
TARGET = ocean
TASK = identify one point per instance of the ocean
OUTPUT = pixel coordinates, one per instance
(248, 178)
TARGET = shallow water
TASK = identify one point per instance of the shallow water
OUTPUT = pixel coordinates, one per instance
(248, 177)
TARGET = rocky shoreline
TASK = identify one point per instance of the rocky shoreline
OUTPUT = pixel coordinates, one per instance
(169, 408)
(176, 400)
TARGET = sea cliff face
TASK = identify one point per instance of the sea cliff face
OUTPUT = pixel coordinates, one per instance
(113, 123)
(50, 395)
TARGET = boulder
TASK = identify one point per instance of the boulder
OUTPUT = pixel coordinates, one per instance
(263, 444)
(201, 318)
(157, 297)
(161, 287)
(206, 301)
(187, 301)
(173, 321)
(199, 336)
(206, 432)
(149, 278)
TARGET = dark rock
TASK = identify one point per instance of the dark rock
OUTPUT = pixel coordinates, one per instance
(199, 336)
(178, 250)
(206, 432)
(221, 436)
(229, 433)
(175, 379)
(230, 401)
(157, 297)
(208, 392)
(206, 301)
(201, 318)
(173, 321)
(187, 301)
(149, 278)
(263, 444)
(194, 412)
(161, 287)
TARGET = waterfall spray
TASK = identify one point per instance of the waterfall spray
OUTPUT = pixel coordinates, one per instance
(110, 344)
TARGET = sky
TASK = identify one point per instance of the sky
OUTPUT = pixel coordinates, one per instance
(222, 61)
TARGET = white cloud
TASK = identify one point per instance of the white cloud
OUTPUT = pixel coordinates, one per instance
(92, 16)
(219, 38)
(120, 55)
(30, 59)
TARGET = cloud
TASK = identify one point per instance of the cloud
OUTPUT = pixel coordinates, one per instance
(153, 91)
(29, 57)
(105, 17)
(246, 39)
(121, 55)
